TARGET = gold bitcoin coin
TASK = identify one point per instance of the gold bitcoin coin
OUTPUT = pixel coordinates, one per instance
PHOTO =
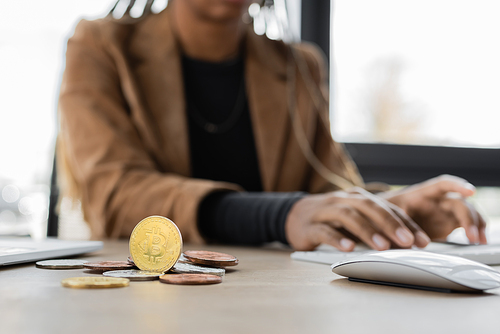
(94, 282)
(155, 244)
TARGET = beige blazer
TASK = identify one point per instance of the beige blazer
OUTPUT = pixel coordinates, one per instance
(123, 125)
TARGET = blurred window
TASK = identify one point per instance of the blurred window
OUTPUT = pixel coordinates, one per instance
(420, 73)
(32, 45)
(416, 72)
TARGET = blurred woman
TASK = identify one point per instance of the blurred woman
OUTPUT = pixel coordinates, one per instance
(190, 115)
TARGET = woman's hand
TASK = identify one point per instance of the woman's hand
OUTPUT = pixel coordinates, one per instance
(411, 216)
(339, 217)
(439, 206)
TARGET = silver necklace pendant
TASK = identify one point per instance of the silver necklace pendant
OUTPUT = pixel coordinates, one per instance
(229, 123)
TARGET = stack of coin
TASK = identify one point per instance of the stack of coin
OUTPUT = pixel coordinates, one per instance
(156, 249)
(187, 268)
(200, 267)
(211, 259)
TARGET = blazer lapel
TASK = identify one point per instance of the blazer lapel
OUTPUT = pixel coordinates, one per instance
(158, 72)
(265, 71)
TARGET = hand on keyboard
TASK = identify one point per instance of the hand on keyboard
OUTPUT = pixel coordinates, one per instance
(341, 218)
(408, 217)
(439, 206)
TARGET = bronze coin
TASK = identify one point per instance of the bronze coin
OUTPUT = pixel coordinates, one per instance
(130, 260)
(108, 265)
(213, 259)
(190, 279)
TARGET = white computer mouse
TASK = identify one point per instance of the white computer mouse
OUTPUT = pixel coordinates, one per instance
(419, 269)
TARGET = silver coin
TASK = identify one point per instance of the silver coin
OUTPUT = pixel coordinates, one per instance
(134, 274)
(61, 264)
(183, 259)
(186, 268)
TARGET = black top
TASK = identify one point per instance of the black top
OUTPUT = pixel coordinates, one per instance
(222, 148)
(211, 91)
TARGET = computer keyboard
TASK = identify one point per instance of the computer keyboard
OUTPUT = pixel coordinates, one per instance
(487, 254)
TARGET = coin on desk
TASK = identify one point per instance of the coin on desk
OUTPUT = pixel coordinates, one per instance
(187, 268)
(61, 264)
(108, 265)
(212, 259)
(155, 244)
(182, 259)
(190, 279)
(94, 282)
(134, 274)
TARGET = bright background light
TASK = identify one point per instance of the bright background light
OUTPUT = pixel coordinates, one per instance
(32, 43)
(438, 58)
(32, 46)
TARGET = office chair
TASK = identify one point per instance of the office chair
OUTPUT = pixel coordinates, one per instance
(53, 219)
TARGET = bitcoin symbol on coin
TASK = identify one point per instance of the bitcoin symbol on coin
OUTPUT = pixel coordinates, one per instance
(154, 245)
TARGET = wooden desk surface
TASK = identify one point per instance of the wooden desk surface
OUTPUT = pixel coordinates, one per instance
(266, 293)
